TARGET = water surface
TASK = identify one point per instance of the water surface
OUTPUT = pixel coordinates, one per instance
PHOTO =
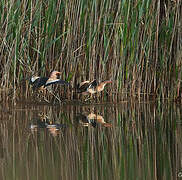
(120, 141)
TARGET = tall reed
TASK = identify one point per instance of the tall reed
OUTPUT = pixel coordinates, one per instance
(137, 44)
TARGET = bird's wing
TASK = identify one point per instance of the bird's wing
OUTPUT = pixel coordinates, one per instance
(83, 83)
(82, 87)
(39, 82)
(93, 84)
(56, 81)
(33, 79)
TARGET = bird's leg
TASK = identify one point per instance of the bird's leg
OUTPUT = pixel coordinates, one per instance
(89, 97)
(95, 97)
(41, 95)
(44, 96)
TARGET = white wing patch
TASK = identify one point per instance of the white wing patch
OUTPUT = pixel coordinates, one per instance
(51, 81)
(34, 78)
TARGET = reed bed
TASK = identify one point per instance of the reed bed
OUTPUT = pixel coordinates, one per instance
(137, 44)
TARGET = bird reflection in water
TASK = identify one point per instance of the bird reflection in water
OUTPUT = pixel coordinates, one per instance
(92, 119)
(44, 122)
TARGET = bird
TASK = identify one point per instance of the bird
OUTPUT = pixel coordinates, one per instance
(91, 87)
(42, 82)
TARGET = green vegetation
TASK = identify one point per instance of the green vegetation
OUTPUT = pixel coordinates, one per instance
(137, 44)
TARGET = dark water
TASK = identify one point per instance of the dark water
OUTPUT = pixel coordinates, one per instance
(121, 141)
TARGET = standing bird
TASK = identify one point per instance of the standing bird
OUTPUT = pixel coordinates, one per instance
(42, 82)
(92, 87)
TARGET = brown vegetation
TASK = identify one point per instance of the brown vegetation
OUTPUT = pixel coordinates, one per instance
(137, 44)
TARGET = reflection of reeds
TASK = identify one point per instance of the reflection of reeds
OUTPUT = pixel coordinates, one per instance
(135, 43)
(144, 142)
